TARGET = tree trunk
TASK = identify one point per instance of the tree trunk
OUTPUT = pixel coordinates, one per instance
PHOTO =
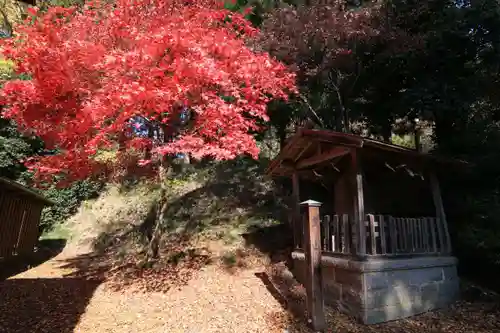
(186, 159)
(386, 129)
(339, 123)
(347, 121)
(282, 136)
(151, 132)
(161, 207)
(418, 144)
(343, 112)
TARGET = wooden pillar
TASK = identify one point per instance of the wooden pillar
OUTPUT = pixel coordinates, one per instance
(296, 217)
(312, 251)
(440, 214)
(359, 206)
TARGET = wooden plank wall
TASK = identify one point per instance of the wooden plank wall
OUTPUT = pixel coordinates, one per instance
(19, 220)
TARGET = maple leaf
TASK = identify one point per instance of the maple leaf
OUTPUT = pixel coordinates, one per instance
(162, 61)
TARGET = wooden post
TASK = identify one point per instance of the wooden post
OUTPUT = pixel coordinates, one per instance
(337, 246)
(346, 241)
(393, 235)
(359, 206)
(413, 235)
(297, 221)
(327, 239)
(401, 235)
(425, 233)
(373, 238)
(312, 250)
(440, 214)
(404, 234)
(432, 225)
(383, 239)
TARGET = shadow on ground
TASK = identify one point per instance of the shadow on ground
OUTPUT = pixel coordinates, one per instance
(478, 265)
(274, 241)
(44, 250)
(175, 268)
(478, 311)
(179, 260)
(43, 305)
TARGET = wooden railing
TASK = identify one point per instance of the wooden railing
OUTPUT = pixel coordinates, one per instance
(337, 234)
(388, 235)
(385, 235)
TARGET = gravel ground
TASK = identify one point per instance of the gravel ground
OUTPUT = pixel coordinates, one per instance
(213, 301)
(46, 299)
(477, 312)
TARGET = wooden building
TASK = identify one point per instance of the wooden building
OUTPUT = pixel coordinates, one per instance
(20, 210)
(382, 232)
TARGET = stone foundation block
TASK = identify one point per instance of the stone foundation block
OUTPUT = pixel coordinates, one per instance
(377, 291)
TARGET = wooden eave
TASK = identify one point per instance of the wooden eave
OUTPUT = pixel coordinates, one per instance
(28, 2)
(23, 190)
(310, 148)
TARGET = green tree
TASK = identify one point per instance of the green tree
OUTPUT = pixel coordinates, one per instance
(436, 60)
(14, 148)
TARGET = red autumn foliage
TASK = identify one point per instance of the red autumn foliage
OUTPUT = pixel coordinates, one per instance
(93, 70)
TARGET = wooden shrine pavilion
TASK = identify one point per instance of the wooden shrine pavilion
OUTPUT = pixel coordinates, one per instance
(20, 212)
(375, 241)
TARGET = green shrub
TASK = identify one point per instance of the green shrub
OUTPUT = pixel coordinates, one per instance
(407, 141)
(6, 69)
(67, 201)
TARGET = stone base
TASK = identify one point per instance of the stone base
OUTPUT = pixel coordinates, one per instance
(381, 290)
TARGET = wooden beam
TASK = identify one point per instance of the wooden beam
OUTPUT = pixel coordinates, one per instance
(440, 214)
(331, 154)
(359, 206)
(303, 151)
(306, 174)
(29, 2)
(289, 164)
(312, 250)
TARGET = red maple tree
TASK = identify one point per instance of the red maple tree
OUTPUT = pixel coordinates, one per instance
(97, 73)
(183, 70)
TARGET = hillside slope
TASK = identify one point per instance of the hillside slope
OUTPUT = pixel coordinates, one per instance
(217, 212)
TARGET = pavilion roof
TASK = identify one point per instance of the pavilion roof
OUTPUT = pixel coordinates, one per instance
(305, 143)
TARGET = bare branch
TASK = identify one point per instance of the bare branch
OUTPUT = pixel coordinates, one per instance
(304, 99)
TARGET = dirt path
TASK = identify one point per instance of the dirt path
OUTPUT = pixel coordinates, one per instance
(213, 301)
(51, 299)
(44, 299)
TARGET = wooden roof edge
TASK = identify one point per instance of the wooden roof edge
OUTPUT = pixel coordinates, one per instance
(274, 163)
(18, 187)
(362, 141)
(348, 139)
(327, 134)
(357, 140)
